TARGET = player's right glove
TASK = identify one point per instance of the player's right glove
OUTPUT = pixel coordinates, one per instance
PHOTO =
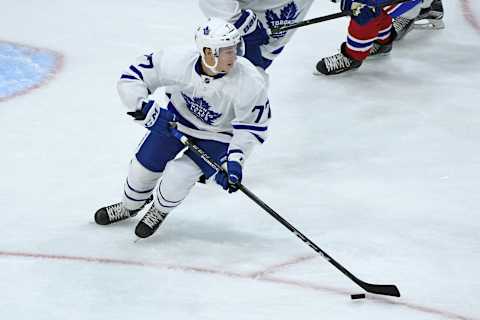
(144, 111)
(154, 118)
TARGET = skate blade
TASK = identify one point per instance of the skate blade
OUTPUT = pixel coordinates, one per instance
(319, 74)
(427, 24)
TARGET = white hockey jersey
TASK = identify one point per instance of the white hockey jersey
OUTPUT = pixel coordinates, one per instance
(272, 13)
(231, 108)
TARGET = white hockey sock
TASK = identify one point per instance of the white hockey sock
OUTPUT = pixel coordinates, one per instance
(139, 185)
(179, 177)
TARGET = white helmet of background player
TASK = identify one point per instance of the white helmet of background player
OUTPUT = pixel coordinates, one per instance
(215, 34)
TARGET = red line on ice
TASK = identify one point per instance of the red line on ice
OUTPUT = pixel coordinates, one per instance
(254, 276)
(276, 267)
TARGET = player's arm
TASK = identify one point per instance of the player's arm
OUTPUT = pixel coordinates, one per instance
(140, 80)
(250, 127)
(226, 9)
(244, 20)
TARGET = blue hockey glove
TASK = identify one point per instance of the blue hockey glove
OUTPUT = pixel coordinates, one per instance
(160, 122)
(253, 34)
(234, 172)
(363, 10)
(251, 28)
(152, 117)
(142, 113)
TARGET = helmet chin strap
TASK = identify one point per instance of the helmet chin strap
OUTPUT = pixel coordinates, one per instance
(209, 67)
(213, 68)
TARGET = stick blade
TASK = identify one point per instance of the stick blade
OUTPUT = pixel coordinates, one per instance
(383, 289)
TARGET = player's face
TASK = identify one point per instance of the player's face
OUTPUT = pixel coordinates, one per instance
(226, 59)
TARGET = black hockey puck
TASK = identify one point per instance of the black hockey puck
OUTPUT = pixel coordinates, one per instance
(357, 296)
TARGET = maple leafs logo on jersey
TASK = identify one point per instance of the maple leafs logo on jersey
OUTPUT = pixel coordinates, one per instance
(288, 15)
(201, 109)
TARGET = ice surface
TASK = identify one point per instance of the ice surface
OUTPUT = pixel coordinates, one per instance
(380, 168)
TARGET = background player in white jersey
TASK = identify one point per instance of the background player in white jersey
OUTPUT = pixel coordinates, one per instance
(217, 99)
(254, 17)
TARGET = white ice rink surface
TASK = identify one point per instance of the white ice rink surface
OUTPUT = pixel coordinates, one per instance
(380, 168)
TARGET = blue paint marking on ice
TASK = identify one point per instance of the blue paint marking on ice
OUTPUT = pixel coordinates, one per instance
(23, 68)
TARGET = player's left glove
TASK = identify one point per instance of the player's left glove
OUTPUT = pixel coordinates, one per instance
(230, 179)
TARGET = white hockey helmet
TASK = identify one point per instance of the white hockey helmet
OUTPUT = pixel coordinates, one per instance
(215, 34)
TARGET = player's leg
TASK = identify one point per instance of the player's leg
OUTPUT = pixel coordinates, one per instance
(144, 172)
(386, 35)
(359, 42)
(404, 15)
(179, 177)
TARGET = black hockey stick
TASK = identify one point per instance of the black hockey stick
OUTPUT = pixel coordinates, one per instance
(276, 30)
(388, 290)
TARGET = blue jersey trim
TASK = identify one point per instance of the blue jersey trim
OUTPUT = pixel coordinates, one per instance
(258, 137)
(278, 50)
(127, 76)
(247, 127)
(139, 74)
(235, 151)
(404, 7)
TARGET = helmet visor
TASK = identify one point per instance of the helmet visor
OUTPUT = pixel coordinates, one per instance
(238, 49)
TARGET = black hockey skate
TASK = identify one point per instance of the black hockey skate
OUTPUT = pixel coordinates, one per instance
(116, 212)
(431, 17)
(380, 49)
(113, 213)
(338, 63)
(150, 222)
(403, 26)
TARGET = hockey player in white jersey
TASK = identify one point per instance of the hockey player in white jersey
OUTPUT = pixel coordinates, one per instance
(253, 18)
(216, 98)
